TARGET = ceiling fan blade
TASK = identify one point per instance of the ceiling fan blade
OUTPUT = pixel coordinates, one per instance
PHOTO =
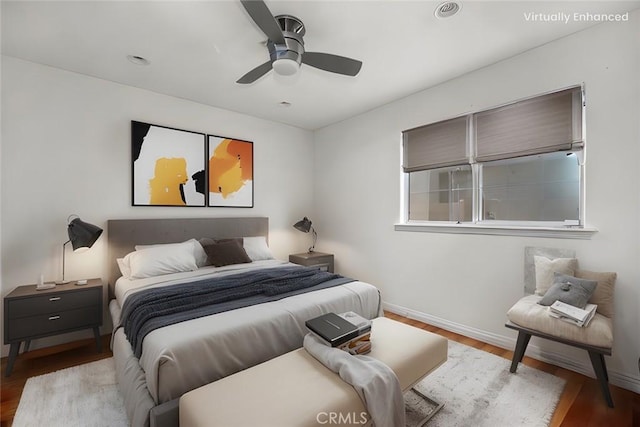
(334, 63)
(255, 74)
(262, 16)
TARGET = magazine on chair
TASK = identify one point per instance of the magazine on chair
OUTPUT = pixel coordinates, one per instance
(575, 315)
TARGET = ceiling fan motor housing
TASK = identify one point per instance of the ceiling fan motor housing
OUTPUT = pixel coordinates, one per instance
(293, 30)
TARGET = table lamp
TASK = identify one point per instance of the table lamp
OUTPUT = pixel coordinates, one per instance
(304, 225)
(82, 236)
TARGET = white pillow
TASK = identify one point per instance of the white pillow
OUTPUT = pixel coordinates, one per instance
(162, 259)
(545, 268)
(198, 252)
(256, 248)
(124, 268)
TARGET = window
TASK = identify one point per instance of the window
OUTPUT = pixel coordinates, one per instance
(441, 194)
(541, 188)
(519, 164)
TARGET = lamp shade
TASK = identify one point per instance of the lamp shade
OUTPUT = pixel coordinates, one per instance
(303, 225)
(82, 234)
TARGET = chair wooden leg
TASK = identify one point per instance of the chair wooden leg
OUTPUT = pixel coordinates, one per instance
(600, 369)
(521, 347)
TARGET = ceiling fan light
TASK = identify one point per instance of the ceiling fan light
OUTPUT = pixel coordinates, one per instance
(285, 66)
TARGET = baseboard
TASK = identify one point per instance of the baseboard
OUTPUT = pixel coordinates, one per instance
(616, 378)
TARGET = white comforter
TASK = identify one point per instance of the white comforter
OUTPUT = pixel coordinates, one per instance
(187, 355)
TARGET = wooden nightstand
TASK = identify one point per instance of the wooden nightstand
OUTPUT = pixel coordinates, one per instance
(31, 314)
(314, 259)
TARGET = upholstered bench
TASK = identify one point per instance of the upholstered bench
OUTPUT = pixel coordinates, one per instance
(297, 390)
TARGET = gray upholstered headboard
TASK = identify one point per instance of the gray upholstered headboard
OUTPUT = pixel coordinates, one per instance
(124, 234)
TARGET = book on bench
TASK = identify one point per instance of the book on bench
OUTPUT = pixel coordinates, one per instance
(336, 330)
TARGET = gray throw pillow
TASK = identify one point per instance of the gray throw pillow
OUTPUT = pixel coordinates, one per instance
(207, 241)
(570, 290)
(227, 252)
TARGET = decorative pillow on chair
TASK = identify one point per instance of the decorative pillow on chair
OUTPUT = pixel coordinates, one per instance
(603, 295)
(570, 290)
(545, 268)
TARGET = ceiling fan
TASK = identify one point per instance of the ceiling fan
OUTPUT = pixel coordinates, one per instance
(286, 46)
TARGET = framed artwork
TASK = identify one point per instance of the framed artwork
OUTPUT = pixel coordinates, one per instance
(230, 172)
(168, 166)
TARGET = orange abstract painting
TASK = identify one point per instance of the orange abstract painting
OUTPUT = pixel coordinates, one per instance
(166, 185)
(230, 172)
(169, 166)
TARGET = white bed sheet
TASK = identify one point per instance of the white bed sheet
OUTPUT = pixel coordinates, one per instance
(187, 355)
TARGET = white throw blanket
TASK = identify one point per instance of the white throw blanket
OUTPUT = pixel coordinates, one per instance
(375, 383)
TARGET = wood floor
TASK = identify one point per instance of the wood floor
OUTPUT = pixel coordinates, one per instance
(581, 403)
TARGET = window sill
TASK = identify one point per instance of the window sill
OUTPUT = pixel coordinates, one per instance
(450, 228)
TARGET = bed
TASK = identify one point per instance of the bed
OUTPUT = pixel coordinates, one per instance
(178, 357)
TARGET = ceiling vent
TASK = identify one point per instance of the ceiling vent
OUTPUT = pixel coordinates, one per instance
(138, 60)
(447, 9)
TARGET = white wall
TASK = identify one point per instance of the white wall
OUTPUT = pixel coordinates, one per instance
(66, 149)
(469, 281)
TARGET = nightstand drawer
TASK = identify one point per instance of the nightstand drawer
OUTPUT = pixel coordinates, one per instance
(52, 302)
(30, 327)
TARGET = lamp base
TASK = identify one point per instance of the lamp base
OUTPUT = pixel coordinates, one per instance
(62, 282)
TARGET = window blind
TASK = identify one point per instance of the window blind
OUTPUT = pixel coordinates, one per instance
(436, 145)
(542, 124)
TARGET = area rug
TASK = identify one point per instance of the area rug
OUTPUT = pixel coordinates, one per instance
(81, 396)
(475, 387)
(478, 390)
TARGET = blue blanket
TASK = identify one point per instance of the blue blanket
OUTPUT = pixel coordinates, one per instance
(154, 308)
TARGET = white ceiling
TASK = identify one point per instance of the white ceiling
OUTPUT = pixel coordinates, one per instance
(199, 49)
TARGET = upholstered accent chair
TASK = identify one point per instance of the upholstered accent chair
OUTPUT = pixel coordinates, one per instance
(532, 319)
